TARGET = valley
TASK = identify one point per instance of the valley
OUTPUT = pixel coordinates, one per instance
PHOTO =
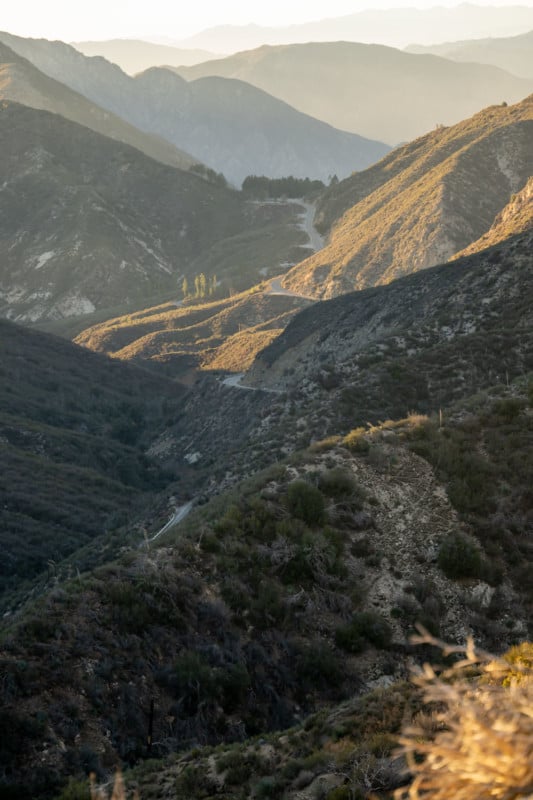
(266, 410)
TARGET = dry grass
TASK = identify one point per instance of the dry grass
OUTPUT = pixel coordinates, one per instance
(482, 748)
(119, 790)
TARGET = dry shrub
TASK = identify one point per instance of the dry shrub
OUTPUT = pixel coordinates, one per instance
(119, 790)
(482, 748)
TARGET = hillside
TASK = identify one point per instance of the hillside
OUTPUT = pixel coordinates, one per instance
(515, 218)
(224, 335)
(421, 204)
(21, 82)
(74, 430)
(512, 54)
(134, 55)
(292, 594)
(356, 87)
(231, 126)
(87, 223)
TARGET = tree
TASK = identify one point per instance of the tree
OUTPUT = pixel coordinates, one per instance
(185, 288)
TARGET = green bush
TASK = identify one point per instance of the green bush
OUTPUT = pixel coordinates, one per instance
(365, 627)
(460, 557)
(306, 502)
(338, 482)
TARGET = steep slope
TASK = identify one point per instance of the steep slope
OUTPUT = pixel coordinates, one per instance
(225, 334)
(514, 54)
(389, 26)
(416, 343)
(134, 55)
(515, 218)
(421, 204)
(22, 82)
(235, 128)
(88, 223)
(74, 428)
(357, 87)
(296, 592)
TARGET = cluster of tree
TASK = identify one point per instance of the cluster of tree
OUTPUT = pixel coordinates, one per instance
(209, 175)
(261, 187)
(203, 287)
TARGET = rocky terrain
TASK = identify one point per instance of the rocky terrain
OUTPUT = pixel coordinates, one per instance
(421, 204)
(88, 223)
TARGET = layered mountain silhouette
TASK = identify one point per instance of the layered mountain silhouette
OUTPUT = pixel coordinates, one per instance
(372, 90)
(421, 204)
(513, 53)
(22, 82)
(87, 222)
(393, 27)
(136, 55)
(231, 126)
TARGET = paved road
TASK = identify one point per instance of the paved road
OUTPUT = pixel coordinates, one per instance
(316, 241)
(179, 514)
(235, 382)
(275, 287)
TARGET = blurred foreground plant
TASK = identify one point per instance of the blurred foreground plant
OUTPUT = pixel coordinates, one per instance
(119, 790)
(481, 747)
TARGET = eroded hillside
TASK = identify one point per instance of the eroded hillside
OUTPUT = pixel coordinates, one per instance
(420, 205)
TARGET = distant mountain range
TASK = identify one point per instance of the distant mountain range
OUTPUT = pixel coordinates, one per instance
(372, 90)
(135, 55)
(392, 27)
(22, 82)
(421, 204)
(233, 127)
(514, 54)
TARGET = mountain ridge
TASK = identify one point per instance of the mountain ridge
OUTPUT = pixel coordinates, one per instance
(356, 87)
(240, 139)
(405, 213)
(21, 82)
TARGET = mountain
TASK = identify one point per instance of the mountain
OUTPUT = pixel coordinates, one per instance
(421, 204)
(74, 430)
(231, 126)
(134, 55)
(512, 54)
(392, 27)
(222, 335)
(514, 219)
(22, 82)
(356, 87)
(294, 593)
(88, 223)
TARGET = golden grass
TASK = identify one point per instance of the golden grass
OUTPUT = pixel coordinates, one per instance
(483, 745)
(119, 790)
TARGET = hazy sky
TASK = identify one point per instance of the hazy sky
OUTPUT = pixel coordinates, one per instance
(100, 19)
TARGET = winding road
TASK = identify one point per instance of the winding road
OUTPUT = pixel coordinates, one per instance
(179, 514)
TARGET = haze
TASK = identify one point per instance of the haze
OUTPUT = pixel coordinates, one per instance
(61, 19)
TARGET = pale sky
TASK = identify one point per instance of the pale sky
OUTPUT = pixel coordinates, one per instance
(72, 20)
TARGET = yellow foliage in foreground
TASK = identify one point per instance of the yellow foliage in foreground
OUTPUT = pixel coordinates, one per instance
(483, 745)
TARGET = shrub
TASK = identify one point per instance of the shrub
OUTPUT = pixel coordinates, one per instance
(306, 502)
(337, 482)
(365, 627)
(355, 441)
(460, 557)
